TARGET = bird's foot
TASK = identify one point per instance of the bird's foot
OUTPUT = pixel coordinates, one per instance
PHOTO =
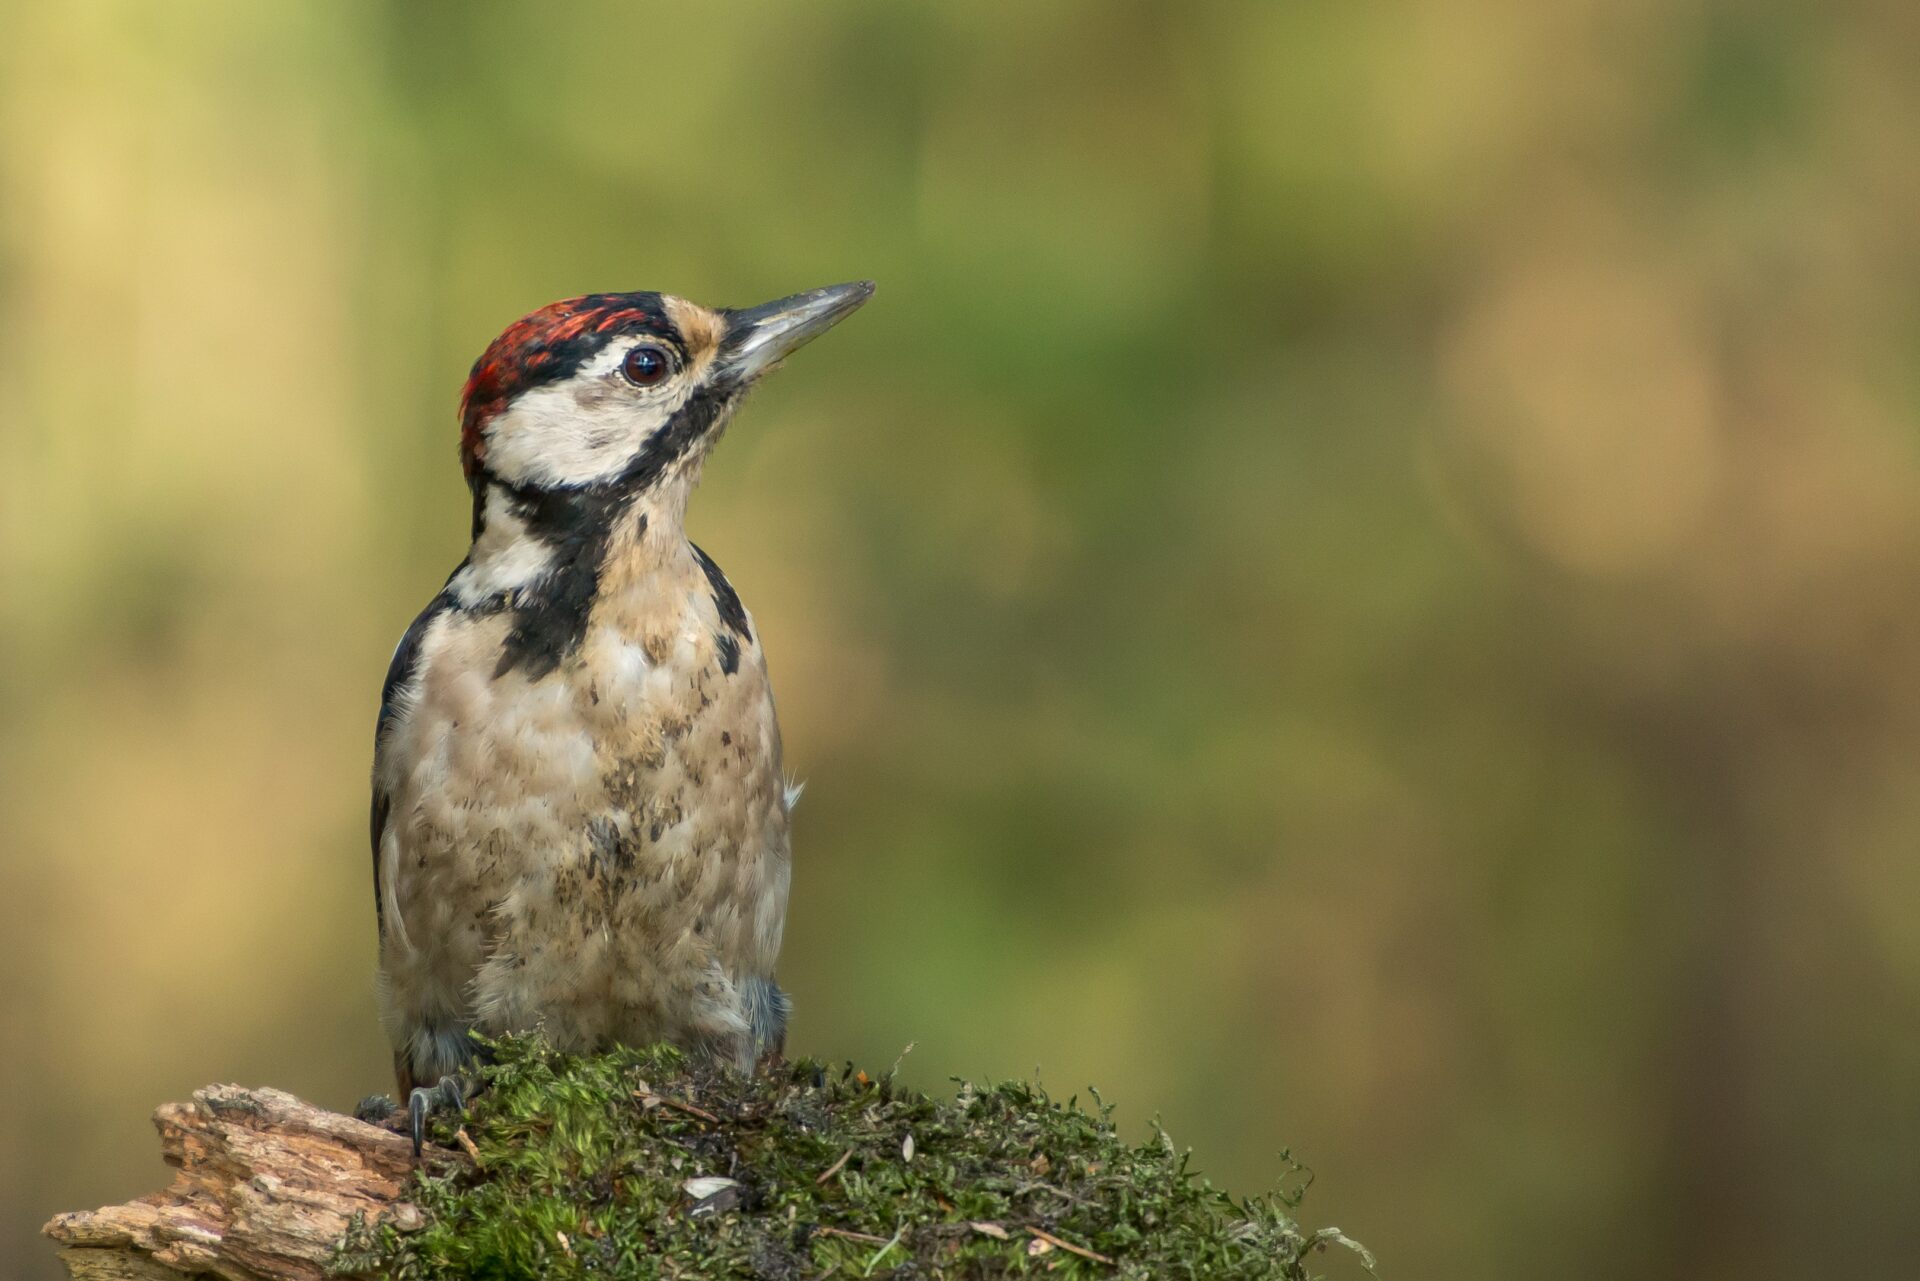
(374, 1109)
(450, 1095)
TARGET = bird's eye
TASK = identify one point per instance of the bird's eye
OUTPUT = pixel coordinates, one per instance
(646, 365)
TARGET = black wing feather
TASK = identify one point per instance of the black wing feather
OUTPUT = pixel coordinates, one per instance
(406, 659)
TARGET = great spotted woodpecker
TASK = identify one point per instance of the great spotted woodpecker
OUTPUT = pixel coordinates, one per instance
(579, 821)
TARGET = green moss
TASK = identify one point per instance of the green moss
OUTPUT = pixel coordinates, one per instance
(584, 1165)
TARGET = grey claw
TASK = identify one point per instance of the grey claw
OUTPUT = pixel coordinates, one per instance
(417, 1118)
(447, 1096)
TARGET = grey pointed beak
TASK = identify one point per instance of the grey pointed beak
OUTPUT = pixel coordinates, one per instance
(758, 338)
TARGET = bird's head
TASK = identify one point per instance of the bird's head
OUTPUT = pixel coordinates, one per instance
(624, 392)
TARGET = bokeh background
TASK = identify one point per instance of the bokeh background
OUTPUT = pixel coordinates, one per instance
(1358, 587)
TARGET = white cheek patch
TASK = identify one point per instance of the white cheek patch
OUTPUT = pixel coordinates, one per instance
(504, 557)
(582, 430)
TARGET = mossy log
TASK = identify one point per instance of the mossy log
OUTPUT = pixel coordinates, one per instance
(640, 1164)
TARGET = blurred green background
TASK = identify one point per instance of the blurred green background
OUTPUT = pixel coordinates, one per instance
(1356, 587)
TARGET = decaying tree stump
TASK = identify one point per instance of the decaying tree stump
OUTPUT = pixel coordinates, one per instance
(267, 1185)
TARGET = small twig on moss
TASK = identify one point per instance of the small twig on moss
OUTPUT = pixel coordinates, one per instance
(1062, 1193)
(865, 1238)
(648, 1099)
(690, 1110)
(835, 1168)
(1069, 1246)
(883, 1251)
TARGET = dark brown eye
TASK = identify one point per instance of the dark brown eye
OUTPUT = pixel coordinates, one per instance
(646, 365)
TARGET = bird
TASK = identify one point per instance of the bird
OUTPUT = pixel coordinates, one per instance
(580, 820)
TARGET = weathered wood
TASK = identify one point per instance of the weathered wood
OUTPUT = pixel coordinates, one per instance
(266, 1187)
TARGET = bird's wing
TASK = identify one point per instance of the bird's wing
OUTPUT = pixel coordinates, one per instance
(400, 672)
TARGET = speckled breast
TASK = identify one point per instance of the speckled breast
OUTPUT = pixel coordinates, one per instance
(600, 850)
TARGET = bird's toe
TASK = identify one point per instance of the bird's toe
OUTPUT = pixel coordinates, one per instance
(449, 1096)
(374, 1109)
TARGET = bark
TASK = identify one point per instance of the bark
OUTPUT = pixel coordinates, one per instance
(266, 1186)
